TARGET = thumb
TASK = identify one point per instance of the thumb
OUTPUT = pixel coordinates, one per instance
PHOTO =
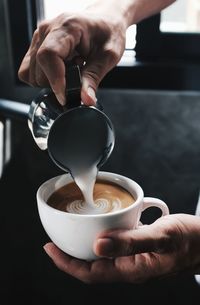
(92, 74)
(116, 243)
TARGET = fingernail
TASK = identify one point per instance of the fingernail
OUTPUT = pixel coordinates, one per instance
(47, 249)
(105, 246)
(92, 94)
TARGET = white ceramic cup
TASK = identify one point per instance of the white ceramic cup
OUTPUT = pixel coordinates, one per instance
(75, 234)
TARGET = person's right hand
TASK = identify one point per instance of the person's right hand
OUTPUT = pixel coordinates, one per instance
(96, 37)
(169, 246)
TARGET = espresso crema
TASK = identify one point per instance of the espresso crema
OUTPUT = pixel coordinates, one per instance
(107, 197)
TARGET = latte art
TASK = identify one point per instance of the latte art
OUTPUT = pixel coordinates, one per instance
(108, 197)
(100, 206)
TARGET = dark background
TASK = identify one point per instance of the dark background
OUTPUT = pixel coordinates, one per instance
(155, 108)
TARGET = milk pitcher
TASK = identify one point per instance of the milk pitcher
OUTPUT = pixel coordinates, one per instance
(74, 135)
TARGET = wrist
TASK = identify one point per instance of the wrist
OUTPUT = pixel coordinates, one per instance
(130, 11)
(134, 11)
(119, 11)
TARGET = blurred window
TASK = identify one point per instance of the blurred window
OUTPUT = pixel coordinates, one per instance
(182, 16)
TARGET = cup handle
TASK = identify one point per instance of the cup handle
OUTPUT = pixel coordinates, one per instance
(155, 202)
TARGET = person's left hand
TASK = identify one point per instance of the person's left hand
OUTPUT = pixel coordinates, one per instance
(169, 245)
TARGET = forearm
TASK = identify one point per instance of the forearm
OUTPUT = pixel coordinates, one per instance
(131, 11)
(141, 9)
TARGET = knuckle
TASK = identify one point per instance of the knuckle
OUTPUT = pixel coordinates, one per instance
(44, 53)
(62, 17)
(35, 34)
(43, 26)
(93, 76)
(148, 267)
(70, 22)
(72, 25)
(112, 54)
(23, 74)
(171, 239)
(73, 30)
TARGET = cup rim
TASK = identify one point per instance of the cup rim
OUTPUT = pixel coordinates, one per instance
(107, 176)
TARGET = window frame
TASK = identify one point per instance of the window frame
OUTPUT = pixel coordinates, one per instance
(163, 61)
(152, 42)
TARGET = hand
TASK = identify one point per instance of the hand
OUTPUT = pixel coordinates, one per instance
(169, 245)
(94, 37)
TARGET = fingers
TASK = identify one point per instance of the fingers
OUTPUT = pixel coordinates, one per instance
(59, 40)
(98, 65)
(133, 269)
(28, 62)
(44, 62)
(77, 268)
(88, 272)
(152, 238)
(57, 47)
(30, 71)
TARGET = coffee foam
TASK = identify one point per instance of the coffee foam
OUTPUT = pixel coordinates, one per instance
(107, 197)
(100, 206)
